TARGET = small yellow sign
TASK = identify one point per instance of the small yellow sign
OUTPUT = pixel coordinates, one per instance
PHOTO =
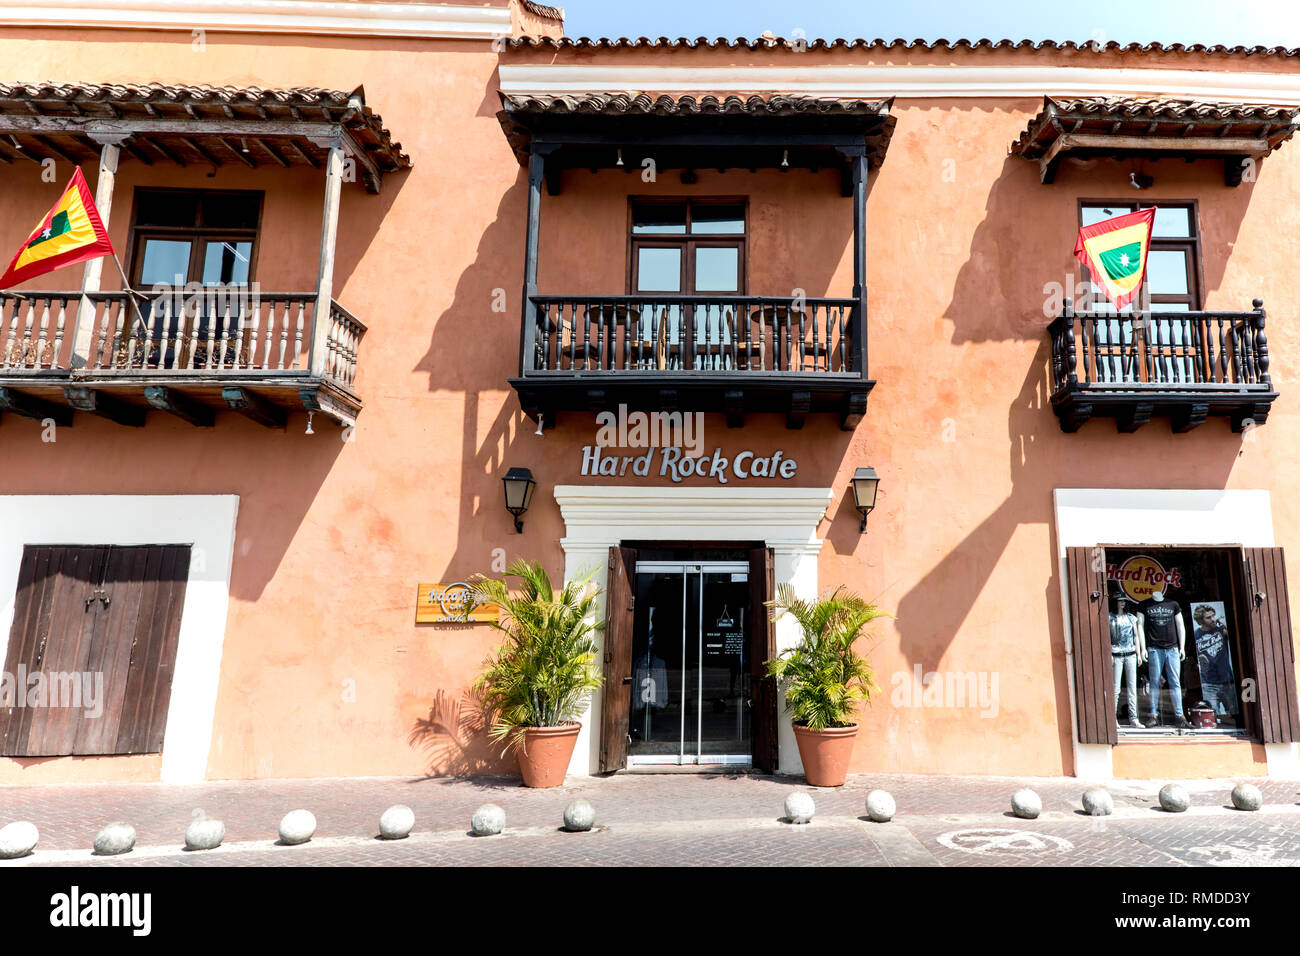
(450, 604)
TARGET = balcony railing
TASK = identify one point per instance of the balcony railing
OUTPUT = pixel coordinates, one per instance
(735, 354)
(672, 334)
(1184, 364)
(175, 335)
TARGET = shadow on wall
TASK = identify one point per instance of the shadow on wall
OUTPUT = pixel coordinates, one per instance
(934, 611)
(454, 737)
(998, 294)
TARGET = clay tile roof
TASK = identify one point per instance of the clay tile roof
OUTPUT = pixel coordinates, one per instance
(664, 104)
(1151, 117)
(940, 44)
(522, 113)
(120, 102)
(541, 10)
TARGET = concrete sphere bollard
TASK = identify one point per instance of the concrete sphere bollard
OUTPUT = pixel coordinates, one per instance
(204, 835)
(579, 816)
(298, 826)
(1174, 798)
(799, 807)
(1098, 802)
(488, 820)
(880, 806)
(1026, 804)
(397, 822)
(18, 839)
(1245, 796)
(115, 839)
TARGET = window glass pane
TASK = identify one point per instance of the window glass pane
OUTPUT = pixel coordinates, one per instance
(165, 261)
(718, 219)
(1170, 307)
(659, 270)
(166, 209)
(1167, 271)
(1194, 692)
(717, 269)
(659, 218)
(231, 210)
(1173, 221)
(226, 262)
(1095, 214)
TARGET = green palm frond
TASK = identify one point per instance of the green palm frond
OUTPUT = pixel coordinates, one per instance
(824, 677)
(544, 673)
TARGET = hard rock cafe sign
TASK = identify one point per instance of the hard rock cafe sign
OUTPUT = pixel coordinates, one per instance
(1142, 575)
(450, 604)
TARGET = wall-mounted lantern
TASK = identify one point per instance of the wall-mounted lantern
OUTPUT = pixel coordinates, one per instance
(519, 486)
(865, 483)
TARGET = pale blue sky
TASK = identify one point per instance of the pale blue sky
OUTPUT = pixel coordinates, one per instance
(1249, 22)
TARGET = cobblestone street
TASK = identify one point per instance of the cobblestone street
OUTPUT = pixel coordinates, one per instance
(666, 819)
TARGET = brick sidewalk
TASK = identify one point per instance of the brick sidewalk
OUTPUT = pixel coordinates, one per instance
(694, 819)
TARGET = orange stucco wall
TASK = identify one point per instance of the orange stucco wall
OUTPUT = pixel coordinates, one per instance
(324, 671)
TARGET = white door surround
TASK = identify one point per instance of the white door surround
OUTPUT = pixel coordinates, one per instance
(598, 517)
(207, 524)
(1088, 517)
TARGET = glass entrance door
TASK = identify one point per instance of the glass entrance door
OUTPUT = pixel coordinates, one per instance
(690, 664)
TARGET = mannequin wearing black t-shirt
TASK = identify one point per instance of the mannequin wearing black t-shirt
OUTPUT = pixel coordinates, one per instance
(1166, 649)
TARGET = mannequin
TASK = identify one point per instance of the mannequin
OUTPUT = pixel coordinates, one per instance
(1128, 648)
(1166, 649)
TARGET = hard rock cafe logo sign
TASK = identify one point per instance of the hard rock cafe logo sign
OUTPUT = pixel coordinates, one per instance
(451, 603)
(1142, 575)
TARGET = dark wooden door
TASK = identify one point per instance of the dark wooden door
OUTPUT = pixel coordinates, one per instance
(100, 624)
(1094, 680)
(763, 690)
(616, 699)
(1272, 645)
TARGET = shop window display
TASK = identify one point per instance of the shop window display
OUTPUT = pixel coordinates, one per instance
(1176, 640)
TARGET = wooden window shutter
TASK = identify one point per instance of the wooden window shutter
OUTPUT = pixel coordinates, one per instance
(1094, 681)
(1272, 646)
(616, 699)
(763, 689)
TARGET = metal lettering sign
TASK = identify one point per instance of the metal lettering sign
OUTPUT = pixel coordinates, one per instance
(672, 462)
(450, 604)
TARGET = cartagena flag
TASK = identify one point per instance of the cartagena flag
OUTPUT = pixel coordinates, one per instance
(1115, 252)
(71, 232)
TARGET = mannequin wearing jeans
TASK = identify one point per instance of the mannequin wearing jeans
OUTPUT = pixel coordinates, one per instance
(1128, 648)
(1166, 649)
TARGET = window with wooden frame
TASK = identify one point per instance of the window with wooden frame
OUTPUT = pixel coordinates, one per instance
(1171, 642)
(183, 238)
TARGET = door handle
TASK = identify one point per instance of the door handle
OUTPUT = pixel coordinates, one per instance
(627, 680)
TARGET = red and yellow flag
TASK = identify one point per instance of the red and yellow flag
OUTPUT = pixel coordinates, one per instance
(71, 232)
(1115, 252)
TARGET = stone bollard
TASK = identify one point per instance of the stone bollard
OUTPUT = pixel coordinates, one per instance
(488, 820)
(1174, 798)
(799, 807)
(1098, 802)
(880, 806)
(115, 839)
(18, 839)
(579, 816)
(1026, 804)
(397, 822)
(1246, 796)
(298, 826)
(204, 835)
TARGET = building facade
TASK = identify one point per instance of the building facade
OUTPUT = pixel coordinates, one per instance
(386, 252)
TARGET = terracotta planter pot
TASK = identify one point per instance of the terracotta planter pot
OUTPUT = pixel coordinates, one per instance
(545, 752)
(825, 753)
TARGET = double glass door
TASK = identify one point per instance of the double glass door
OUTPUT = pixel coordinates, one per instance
(690, 688)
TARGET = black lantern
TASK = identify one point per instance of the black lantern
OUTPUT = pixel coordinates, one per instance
(519, 493)
(865, 483)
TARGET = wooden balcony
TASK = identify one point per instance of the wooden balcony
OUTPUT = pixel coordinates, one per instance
(729, 354)
(187, 354)
(1183, 365)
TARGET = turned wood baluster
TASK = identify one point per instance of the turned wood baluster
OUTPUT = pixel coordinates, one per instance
(1261, 345)
(27, 333)
(1071, 367)
(11, 324)
(297, 335)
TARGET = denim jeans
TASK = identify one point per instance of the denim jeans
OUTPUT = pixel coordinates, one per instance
(1222, 697)
(1126, 666)
(1165, 666)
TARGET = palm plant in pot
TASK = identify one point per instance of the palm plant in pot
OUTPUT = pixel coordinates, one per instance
(824, 678)
(536, 686)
